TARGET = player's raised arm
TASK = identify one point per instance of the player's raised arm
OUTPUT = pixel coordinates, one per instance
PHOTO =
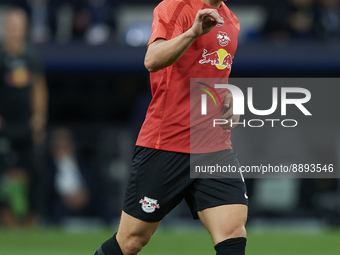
(163, 53)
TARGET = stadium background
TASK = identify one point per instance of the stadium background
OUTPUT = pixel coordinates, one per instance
(93, 56)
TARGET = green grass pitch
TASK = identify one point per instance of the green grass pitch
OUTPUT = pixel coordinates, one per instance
(165, 242)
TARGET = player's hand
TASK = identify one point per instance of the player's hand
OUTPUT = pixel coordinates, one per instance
(228, 112)
(205, 20)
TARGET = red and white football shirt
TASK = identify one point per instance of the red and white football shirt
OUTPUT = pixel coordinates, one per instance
(167, 122)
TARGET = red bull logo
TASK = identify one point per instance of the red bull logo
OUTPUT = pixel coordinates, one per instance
(220, 58)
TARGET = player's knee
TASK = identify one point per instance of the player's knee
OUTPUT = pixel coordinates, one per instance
(135, 244)
(238, 231)
(234, 231)
(132, 249)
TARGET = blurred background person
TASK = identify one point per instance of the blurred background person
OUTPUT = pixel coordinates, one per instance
(100, 13)
(40, 31)
(290, 19)
(23, 115)
(79, 20)
(328, 22)
(73, 187)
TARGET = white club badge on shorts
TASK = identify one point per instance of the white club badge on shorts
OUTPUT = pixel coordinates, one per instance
(149, 205)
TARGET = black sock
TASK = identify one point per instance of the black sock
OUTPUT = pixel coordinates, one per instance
(110, 247)
(232, 246)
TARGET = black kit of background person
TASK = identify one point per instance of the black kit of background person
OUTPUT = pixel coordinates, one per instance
(17, 167)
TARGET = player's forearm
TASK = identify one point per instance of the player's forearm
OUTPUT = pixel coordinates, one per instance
(40, 96)
(164, 53)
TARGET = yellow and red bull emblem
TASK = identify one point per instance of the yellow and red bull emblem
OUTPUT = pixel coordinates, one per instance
(220, 58)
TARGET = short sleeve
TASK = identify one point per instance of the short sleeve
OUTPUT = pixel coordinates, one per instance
(168, 20)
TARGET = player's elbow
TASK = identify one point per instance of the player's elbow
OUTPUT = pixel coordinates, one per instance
(150, 65)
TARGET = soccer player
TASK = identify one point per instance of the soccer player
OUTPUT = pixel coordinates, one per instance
(190, 39)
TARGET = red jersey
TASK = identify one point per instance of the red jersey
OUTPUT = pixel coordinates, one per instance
(167, 123)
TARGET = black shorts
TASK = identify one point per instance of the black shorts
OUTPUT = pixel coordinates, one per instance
(160, 180)
(19, 150)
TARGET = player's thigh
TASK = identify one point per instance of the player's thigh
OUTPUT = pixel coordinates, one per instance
(135, 230)
(225, 221)
(157, 184)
